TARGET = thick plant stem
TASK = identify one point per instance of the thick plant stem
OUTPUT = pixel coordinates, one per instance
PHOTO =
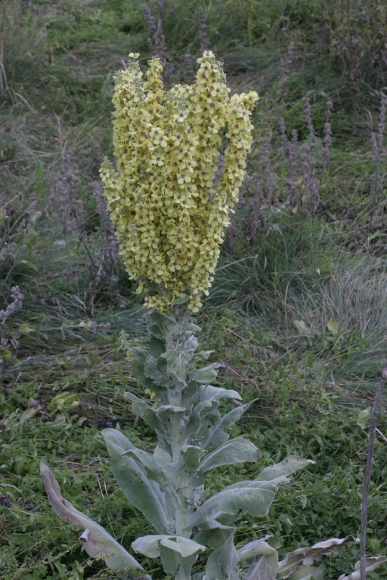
(175, 399)
(367, 477)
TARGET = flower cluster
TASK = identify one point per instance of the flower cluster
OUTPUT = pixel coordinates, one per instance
(168, 211)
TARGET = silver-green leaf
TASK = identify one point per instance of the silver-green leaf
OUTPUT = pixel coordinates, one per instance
(255, 497)
(289, 465)
(96, 540)
(147, 495)
(235, 451)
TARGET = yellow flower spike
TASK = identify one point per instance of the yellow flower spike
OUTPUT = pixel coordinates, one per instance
(168, 214)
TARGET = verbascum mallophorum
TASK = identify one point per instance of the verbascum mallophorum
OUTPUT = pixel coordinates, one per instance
(168, 211)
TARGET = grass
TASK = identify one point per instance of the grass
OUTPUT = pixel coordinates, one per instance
(296, 313)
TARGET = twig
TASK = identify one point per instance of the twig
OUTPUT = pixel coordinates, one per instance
(367, 476)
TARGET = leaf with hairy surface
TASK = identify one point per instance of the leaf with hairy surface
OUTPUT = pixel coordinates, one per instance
(96, 540)
(218, 435)
(176, 552)
(255, 497)
(150, 497)
(235, 451)
(289, 465)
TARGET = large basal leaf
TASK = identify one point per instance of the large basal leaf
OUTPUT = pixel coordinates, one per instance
(235, 451)
(150, 497)
(176, 552)
(96, 540)
(371, 564)
(254, 497)
(218, 434)
(302, 557)
(289, 465)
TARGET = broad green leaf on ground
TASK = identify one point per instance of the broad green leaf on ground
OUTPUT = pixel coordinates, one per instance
(96, 540)
(289, 465)
(371, 564)
(150, 497)
(235, 451)
(307, 556)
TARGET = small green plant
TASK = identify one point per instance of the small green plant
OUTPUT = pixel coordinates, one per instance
(167, 148)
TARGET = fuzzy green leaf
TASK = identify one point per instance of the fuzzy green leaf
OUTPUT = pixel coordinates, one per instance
(177, 363)
(254, 497)
(372, 562)
(265, 560)
(289, 465)
(138, 364)
(96, 540)
(152, 370)
(222, 563)
(191, 457)
(156, 330)
(257, 548)
(150, 545)
(203, 355)
(211, 393)
(298, 559)
(218, 434)
(148, 496)
(176, 552)
(308, 573)
(205, 375)
(235, 451)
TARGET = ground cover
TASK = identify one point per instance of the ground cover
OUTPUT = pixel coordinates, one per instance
(297, 312)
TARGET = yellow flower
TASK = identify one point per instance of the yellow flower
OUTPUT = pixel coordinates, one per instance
(168, 214)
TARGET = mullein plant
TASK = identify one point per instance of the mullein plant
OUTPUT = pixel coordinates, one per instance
(170, 217)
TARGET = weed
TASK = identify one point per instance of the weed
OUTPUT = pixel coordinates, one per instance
(298, 305)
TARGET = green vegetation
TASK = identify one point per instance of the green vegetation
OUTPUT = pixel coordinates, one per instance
(297, 312)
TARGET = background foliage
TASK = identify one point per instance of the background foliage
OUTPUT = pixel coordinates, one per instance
(297, 312)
